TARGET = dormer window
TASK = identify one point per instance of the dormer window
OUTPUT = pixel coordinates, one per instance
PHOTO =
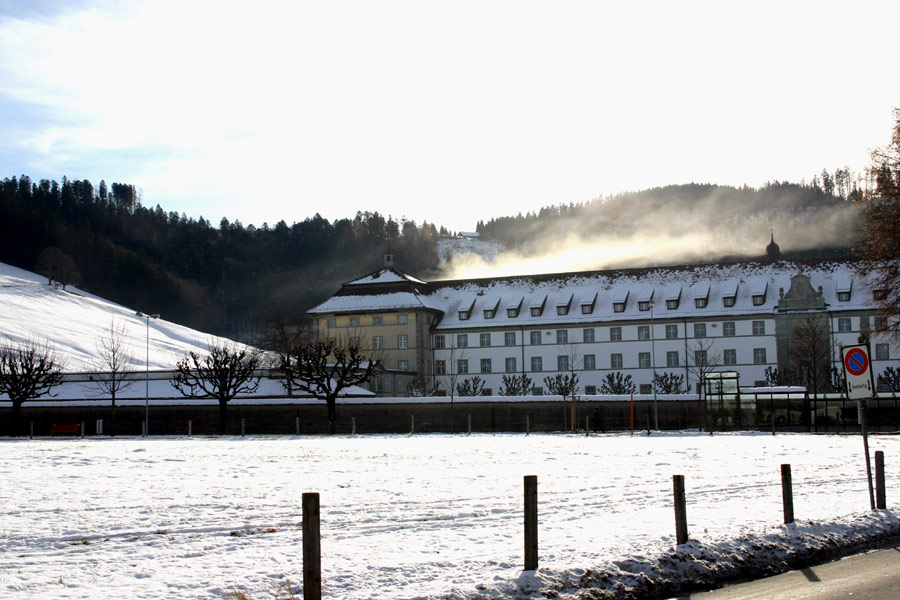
(512, 313)
(700, 302)
(879, 295)
(671, 304)
(562, 310)
(759, 299)
(535, 311)
(843, 296)
(463, 315)
(489, 313)
(644, 305)
(587, 309)
(728, 301)
(618, 307)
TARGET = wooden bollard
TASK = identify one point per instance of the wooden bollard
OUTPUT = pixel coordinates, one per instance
(31, 430)
(82, 429)
(312, 548)
(297, 423)
(681, 530)
(190, 427)
(527, 424)
(880, 496)
(587, 426)
(412, 424)
(353, 425)
(531, 523)
(243, 427)
(144, 428)
(787, 494)
(470, 425)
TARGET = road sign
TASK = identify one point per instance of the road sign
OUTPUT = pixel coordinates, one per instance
(857, 371)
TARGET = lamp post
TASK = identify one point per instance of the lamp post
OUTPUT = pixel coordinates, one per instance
(653, 364)
(147, 374)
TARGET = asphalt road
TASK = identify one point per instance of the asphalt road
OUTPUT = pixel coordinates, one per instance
(870, 576)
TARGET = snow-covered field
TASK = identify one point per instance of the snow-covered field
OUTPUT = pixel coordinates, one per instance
(434, 516)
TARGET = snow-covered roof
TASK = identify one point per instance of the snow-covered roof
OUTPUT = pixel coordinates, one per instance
(387, 275)
(373, 303)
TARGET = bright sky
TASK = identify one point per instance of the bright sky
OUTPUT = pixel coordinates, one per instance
(448, 112)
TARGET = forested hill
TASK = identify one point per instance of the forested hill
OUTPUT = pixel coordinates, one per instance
(230, 279)
(225, 280)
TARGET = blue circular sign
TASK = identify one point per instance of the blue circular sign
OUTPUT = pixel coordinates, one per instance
(856, 361)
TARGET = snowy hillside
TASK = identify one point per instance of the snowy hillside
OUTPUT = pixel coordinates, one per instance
(73, 321)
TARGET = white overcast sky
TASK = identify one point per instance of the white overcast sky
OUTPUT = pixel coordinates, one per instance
(448, 112)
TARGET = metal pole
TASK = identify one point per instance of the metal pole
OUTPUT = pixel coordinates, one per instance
(147, 373)
(653, 363)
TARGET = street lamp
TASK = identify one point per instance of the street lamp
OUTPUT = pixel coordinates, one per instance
(147, 378)
(653, 364)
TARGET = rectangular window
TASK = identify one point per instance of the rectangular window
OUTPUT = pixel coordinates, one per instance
(329, 323)
(759, 356)
(512, 313)
(672, 359)
(615, 334)
(729, 355)
(377, 320)
(463, 315)
(537, 391)
(535, 338)
(562, 363)
(882, 352)
(485, 365)
(377, 342)
(644, 360)
(644, 305)
(844, 325)
(439, 341)
(645, 388)
(509, 338)
(402, 342)
(402, 319)
(440, 367)
(354, 321)
(590, 390)
(759, 299)
(699, 330)
(511, 365)
(671, 332)
(590, 362)
(880, 323)
(843, 296)
(643, 332)
(671, 304)
(879, 295)
(700, 358)
(618, 307)
(588, 335)
(484, 340)
(728, 329)
(535, 311)
(562, 336)
(728, 301)
(759, 328)
(562, 310)
(537, 364)
(489, 313)
(403, 365)
(462, 366)
(615, 361)
(700, 302)
(587, 309)
(462, 340)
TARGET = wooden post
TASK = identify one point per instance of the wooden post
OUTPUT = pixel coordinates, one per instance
(82, 430)
(31, 430)
(99, 426)
(243, 427)
(412, 424)
(312, 548)
(297, 423)
(527, 424)
(143, 428)
(681, 531)
(574, 416)
(787, 494)
(353, 425)
(587, 426)
(880, 497)
(531, 528)
(470, 425)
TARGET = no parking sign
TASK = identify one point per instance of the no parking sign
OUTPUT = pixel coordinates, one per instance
(857, 371)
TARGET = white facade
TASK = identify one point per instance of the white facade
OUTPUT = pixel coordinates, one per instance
(635, 321)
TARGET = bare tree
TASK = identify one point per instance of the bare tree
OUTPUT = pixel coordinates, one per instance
(889, 379)
(810, 351)
(26, 372)
(223, 373)
(617, 384)
(114, 366)
(56, 265)
(702, 359)
(326, 367)
(668, 383)
(473, 386)
(516, 385)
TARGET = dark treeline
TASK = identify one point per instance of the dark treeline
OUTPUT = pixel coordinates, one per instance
(227, 280)
(683, 208)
